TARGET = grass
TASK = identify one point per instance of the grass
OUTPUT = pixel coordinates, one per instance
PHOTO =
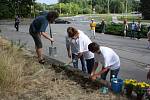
(12, 66)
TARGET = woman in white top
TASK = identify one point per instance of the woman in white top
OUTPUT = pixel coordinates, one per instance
(108, 58)
(81, 42)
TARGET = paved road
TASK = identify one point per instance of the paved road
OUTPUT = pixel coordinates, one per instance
(133, 53)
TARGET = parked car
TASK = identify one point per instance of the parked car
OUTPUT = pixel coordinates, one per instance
(61, 21)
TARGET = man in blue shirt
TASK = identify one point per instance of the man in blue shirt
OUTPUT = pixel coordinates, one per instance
(38, 28)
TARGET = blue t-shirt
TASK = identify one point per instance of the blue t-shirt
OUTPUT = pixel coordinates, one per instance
(39, 24)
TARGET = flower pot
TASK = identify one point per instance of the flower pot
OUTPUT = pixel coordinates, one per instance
(139, 96)
(129, 90)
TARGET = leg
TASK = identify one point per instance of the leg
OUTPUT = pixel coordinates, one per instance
(38, 45)
(94, 33)
(148, 44)
(91, 33)
(130, 34)
(17, 26)
(114, 72)
(83, 63)
(75, 60)
(89, 64)
(138, 35)
(39, 53)
(103, 76)
(133, 34)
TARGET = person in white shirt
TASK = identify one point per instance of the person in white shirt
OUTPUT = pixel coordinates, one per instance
(79, 43)
(108, 58)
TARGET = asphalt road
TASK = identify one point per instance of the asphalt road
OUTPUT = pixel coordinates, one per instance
(133, 53)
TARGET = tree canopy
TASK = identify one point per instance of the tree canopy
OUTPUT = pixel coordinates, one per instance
(10, 8)
(145, 8)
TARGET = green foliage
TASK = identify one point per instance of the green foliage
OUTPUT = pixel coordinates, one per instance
(67, 8)
(116, 6)
(117, 29)
(9, 8)
(145, 9)
(114, 29)
(101, 6)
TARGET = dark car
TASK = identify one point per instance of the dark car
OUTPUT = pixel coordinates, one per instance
(61, 21)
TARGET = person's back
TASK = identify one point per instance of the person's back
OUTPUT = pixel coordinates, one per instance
(39, 24)
(111, 58)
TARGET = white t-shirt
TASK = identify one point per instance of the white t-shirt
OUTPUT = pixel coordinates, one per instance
(84, 41)
(108, 58)
(80, 45)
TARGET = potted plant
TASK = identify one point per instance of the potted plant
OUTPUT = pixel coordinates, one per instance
(128, 85)
(141, 88)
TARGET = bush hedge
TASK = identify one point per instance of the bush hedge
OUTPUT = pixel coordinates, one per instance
(117, 29)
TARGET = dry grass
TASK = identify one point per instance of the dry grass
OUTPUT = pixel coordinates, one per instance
(21, 78)
(13, 66)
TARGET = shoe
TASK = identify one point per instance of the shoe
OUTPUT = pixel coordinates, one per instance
(42, 61)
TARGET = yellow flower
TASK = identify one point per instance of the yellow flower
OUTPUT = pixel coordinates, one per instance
(147, 85)
(142, 86)
(127, 81)
(134, 84)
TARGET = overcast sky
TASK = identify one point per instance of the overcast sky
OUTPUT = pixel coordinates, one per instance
(47, 1)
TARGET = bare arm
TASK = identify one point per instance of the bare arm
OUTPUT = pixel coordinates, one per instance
(94, 68)
(68, 47)
(45, 34)
(69, 51)
(102, 71)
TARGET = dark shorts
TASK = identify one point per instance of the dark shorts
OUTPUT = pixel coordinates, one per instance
(37, 40)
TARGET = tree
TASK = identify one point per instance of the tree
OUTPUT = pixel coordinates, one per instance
(145, 9)
(116, 6)
(10, 8)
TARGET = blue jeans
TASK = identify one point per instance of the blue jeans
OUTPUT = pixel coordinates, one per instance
(89, 64)
(75, 62)
(112, 72)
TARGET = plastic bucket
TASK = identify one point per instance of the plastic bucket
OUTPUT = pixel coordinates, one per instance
(117, 87)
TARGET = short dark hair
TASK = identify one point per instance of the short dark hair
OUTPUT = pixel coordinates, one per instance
(72, 32)
(93, 47)
(52, 15)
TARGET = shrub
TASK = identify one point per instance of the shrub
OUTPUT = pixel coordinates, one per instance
(117, 29)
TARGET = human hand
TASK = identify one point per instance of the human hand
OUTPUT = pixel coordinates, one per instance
(93, 77)
(52, 39)
(79, 55)
(92, 73)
